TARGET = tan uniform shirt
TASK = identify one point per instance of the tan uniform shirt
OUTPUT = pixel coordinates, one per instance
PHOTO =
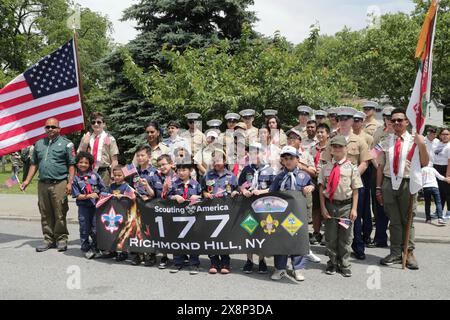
(196, 139)
(252, 134)
(384, 157)
(349, 180)
(159, 150)
(371, 126)
(379, 135)
(357, 151)
(316, 148)
(308, 143)
(367, 138)
(302, 130)
(204, 157)
(109, 150)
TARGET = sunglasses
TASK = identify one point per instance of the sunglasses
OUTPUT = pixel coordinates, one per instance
(96, 122)
(320, 117)
(357, 119)
(191, 121)
(368, 108)
(304, 113)
(397, 120)
(344, 118)
(51, 127)
(232, 120)
(247, 117)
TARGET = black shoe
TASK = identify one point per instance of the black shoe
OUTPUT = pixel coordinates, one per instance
(359, 256)
(90, 254)
(390, 260)
(149, 260)
(331, 269)
(374, 244)
(186, 260)
(193, 270)
(248, 267)
(164, 263)
(313, 239)
(62, 246)
(121, 256)
(45, 246)
(367, 241)
(108, 254)
(175, 269)
(137, 260)
(262, 267)
(346, 272)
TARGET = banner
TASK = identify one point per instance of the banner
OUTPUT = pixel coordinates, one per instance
(269, 224)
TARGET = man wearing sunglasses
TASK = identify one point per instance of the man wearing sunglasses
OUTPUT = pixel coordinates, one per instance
(332, 118)
(228, 137)
(370, 124)
(304, 114)
(392, 186)
(194, 136)
(54, 157)
(320, 116)
(102, 146)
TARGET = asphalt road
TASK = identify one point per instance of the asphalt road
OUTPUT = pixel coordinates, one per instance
(25, 274)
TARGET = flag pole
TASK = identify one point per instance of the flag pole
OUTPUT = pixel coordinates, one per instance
(80, 79)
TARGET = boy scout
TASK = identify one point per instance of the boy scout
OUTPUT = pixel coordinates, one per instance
(393, 186)
(370, 124)
(54, 157)
(339, 182)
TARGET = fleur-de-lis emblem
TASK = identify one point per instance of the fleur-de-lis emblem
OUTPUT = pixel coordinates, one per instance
(269, 225)
(113, 220)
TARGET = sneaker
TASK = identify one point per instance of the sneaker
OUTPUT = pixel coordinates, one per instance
(313, 239)
(278, 275)
(175, 269)
(262, 267)
(312, 257)
(45, 246)
(149, 260)
(213, 269)
(428, 221)
(89, 254)
(186, 260)
(61, 247)
(411, 262)
(441, 222)
(248, 267)
(193, 270)
(390, 260)
(137, 259)
(331, 269)
(98, 254)
(225, 270)
(164, 262)
(121, 256)
(346, 272)
(298, 275)
(359, 256)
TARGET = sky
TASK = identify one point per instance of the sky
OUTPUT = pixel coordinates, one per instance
(292, 18)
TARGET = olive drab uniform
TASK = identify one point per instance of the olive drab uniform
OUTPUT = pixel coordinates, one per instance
(395, 190)
(53, 159)
(339, 238)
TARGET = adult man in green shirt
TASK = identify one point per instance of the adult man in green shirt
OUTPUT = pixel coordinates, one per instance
(54, 157)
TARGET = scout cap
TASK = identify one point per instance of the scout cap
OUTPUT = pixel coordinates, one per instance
(305, 109)
(288, 150)
(247, 113)
(294, 131)
(359, 115)
(214, 123)
(338, 140)
(241, 125)
(232, 116)
(255, 146)
(270, 112)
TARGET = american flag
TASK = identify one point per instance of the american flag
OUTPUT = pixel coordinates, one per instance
(129, 170)
(11, 181)
(49, 89)
(346, 223)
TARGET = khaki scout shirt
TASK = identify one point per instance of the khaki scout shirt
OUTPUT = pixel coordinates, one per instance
(196, 139)
(53, 158)
(302, 130)
(109, 150)
(204, 156)
(159, 150)
(349, 180)
(252, 134)
(384, 157)
(316, 148)
(308, 143)
(357, 151)
(371, 126)
(367, 138)
(379, 135)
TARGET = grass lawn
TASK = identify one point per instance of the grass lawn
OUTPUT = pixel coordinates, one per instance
(31, 189)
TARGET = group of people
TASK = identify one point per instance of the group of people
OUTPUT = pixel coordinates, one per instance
(348, 166)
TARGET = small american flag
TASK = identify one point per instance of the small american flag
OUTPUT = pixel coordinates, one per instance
(376, 151)
(345, 222)
(11, 181)
(49, 89)
(103, 199)
(129, 170)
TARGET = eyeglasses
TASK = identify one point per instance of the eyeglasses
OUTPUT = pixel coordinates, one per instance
(51, 127)
(397, 120)
(96, 122)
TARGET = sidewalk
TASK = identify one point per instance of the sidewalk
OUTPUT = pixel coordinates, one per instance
(24, 207)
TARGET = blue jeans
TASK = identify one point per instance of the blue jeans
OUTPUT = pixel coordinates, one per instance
(428, 193)
(298, 262)
(86, 218)
(358, 238)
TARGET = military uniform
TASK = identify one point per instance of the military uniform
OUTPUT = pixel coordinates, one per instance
(84, 184)
(337, 237)
(53, 158)
(371, 125)
(158, 151)
(250, 133)
(396, 193)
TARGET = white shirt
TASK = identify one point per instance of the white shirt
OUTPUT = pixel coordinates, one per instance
(429, 175)
(176, 143)
(431, 145)
(441, 154)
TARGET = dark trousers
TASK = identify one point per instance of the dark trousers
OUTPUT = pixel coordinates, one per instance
(86, 218)
(220, 261)
(427, 194)
(193, 260)
(381, 225)
(444, 187)
(358, 240)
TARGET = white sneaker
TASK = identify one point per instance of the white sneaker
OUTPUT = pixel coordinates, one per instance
(278, 275)
(312, 257)
(299, 275)
(441, 222)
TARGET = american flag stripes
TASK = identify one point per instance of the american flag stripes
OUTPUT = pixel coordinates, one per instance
(49, 89)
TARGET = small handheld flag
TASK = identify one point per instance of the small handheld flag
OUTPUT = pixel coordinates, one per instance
(129, 170)
(12, 181)
(345, 223)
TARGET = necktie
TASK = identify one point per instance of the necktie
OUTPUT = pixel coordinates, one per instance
(236, 169)
(397, 148)
(284, 181)
(317, 157)
(95, 151)
(333, 180)
(185, 191)
(88, 185)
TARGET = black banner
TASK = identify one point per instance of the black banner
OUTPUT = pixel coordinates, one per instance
(274, 223)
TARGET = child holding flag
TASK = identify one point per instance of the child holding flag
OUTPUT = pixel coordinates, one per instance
(86, 187)
(339, 181)
(185, 189)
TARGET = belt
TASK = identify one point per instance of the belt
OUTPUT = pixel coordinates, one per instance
(386, 177)
(49, 181)
(341, 202)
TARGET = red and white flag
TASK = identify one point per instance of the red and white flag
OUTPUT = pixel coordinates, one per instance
(49, 89)
(420, 97)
